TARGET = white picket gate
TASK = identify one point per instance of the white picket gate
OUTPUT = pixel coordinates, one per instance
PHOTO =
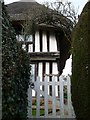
(59, 108)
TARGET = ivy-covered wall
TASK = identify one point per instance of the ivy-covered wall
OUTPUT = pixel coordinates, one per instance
(80, 65)
(15, 74)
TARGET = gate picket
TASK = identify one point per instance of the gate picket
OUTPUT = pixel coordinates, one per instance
(38, 97)
(46, 96)
(53, 97)
(29, 102)
(61, 98)
(69, 97)
(55, 103)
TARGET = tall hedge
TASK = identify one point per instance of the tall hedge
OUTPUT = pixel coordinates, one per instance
(15, 73)
(80, 65)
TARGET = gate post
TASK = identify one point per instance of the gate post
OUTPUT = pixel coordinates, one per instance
(69, 97)
(61, 97)
(38, 97)
(53, 97)
(29, 102)
(46, 96)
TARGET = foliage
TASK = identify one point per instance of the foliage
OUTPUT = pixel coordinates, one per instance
(64, 8)
(15, 73)
(80, 65)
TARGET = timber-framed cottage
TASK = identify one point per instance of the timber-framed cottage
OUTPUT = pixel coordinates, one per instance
(49, 44)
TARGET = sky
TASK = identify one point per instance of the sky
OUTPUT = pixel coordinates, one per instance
(78, 5)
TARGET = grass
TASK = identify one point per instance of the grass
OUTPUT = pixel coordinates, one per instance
(42, 111)
(34, 112)
(34, 109)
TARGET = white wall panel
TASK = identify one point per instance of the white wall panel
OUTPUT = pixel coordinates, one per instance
(20, 37)
(40, 72)
(55, 71)
(30, 48)
(47, 72)
(44, 42)
(37, 42)
(53, 43)
(47, 68)
(54, 68)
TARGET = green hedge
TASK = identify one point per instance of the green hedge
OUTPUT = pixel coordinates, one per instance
(80, 65)
(15, 73)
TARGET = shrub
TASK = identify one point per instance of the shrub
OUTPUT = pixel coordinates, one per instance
(80, 65)
(15, 73)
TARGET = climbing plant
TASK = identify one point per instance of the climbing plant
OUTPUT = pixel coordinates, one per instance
(15, 73)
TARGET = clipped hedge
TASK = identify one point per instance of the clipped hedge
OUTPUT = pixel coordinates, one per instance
(15, 73)
(80, 65)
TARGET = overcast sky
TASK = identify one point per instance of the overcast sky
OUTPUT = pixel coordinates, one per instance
(78, 4)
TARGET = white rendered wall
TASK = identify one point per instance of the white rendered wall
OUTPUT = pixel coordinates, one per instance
(33, 76)
(40, 72)
(53, 43)
(55, 71)
(30, 48)
(47, 72)
(44, 42)
(47, 68)
(54, 68)
(22, 38)
(37, 42)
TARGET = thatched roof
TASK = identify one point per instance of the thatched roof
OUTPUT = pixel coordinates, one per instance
(19, 10)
